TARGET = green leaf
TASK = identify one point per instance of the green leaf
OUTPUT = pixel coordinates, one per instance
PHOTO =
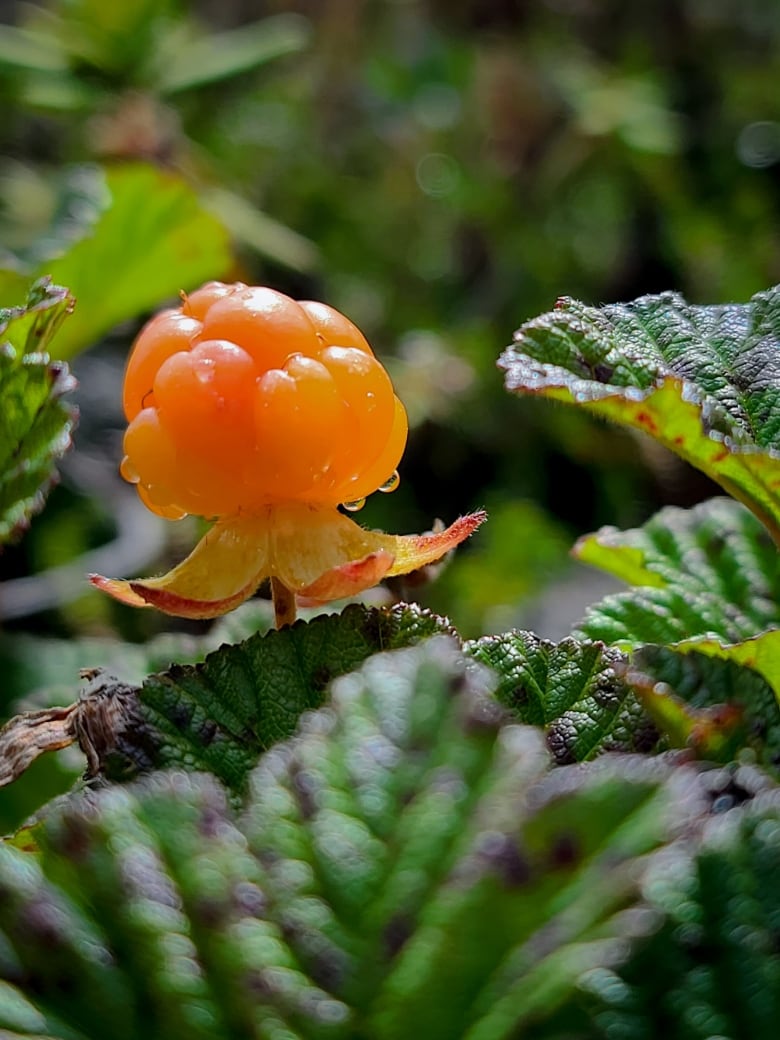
(35, 426)
(220, 715)
(29, 327)
(717, 703)
(20, 1018)
(405, 866)
(711, 570)
(574, 690)
(704, 381)
(761, 654)
(711, 968)
(153, 240)
(227, 54)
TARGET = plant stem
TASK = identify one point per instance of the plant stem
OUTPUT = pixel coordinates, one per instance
(284, 603)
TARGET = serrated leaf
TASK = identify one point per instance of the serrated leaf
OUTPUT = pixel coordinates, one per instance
(704, 381)
(574, 690)
(29, 327)
(35, 426)
(221, 714)
(711, 570)
(713, 968)
(711, 703)
(153, 240)
(47, 667)
(710, 579)
(405, 866)
(760, 653)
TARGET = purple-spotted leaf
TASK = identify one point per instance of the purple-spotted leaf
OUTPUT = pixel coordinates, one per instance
(405, 865)
(704, 381)
(575, 690)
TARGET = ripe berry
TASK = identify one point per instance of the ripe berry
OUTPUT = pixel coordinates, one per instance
(243, 398)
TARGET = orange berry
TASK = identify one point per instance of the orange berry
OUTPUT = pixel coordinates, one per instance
(367, 392)
(203, 402)
(166, 334)
(334, 329)
(196, 304)
(243, 398)
(383, 467)
(299, 425)
(150, 452)
(267, 324)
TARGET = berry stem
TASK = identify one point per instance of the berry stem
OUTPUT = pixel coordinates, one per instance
(284, 603)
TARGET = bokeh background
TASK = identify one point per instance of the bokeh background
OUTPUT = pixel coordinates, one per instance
(439, 170)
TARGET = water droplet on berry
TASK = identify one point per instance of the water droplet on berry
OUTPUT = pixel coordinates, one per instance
(171, 512)
(128, 471)
(390, 484)
(354, 507)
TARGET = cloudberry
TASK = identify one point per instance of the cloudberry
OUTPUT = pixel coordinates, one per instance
(243, 397)
(265, 414)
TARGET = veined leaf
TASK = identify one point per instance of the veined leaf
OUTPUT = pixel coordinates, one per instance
(405, 866)
(709, 584)
(704, 381)
(29, 327)
(221, 714)
(35, 426)
(713, 705)
(575, 690)
(761, 654)
(711, 570)
(712, 968)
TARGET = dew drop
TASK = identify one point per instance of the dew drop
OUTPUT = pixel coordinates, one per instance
(390, 484)
(171, 512)
(354, 507)
(128, 470)
(159, 502)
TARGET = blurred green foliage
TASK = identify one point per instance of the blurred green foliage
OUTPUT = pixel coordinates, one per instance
(440, 171)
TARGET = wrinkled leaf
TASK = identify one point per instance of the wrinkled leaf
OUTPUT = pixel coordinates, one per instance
(153, 240)
(35, 426)
(574, 690)
(761, 654)
(704, 381)
(709, 702)
(221, 714)
(405, 866)
(708, 579)
(712, 968)
(711, 570)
